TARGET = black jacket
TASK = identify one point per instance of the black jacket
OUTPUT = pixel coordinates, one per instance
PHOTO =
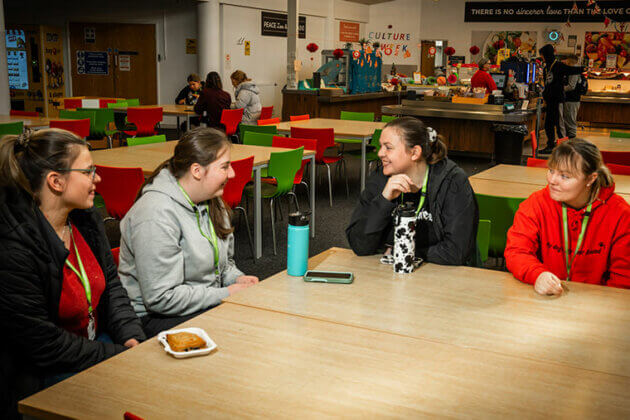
(555, 74)
(453, 207)
(184, 94)
(31, 273)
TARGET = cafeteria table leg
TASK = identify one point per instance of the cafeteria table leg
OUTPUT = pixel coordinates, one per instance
(187, 122)
(312, 191)
(363, 151)
(257, 214)
(179, 133)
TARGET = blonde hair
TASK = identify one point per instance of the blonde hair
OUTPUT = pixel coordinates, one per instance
(239, 77)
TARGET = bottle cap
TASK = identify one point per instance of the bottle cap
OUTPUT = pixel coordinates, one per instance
(406, 210)
(299, 219)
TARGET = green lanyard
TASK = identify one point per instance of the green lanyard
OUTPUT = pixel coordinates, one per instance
(565, 232)
(213, 236)
(423, 192)
(81, 274)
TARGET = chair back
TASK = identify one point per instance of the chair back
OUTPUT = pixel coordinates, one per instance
(483, 239)
(269, 129)
(116, 255)
(16, 128)
(266, 112)
(562, 140)
(618, 158)
(103, 103)
(233, 190)
(536, 163)
(80, 114)
(119, 188)
(103, 117)
(136, 141)
(283, 166)
(79, 127)
(618, 169)
(24, 113)
(133, 102)
(620, 134)
(291, 143)
(388, 118)
(325, 138)
(376, 139)
(258, 139)
(357, 116)
(145, 119)
(299, 117)
(500, 211)
(117, 105)
(269, 121)
(72, 103)
(231, 118)
(534, 144)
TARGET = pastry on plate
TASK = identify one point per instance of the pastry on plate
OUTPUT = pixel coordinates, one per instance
(185, 341)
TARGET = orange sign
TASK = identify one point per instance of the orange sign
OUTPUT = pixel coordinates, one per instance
(348, 31)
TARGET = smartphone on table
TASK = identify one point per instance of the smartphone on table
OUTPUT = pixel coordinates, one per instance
(329, 276)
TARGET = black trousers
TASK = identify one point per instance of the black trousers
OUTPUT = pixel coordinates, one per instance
(152, 324)
(552, 122)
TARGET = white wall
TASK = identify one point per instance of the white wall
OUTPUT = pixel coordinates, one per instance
(404, 17)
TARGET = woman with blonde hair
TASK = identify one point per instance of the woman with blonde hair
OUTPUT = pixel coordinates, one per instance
(247, 97)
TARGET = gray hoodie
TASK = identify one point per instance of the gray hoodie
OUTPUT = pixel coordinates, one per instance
(246, 95)
(166, 265)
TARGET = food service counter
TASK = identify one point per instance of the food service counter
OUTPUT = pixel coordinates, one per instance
(605, 109)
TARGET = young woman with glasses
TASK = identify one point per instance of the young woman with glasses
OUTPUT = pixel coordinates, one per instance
(62, 307)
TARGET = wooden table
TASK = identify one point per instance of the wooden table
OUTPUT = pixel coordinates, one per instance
(537, 176)
(344, 129)
(34, 123)
(149, 156)
(609, 144)
(354, 360)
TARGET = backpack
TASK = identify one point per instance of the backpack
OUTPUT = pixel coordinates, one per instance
(581, 87)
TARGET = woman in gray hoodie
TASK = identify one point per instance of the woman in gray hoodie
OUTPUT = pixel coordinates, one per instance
(246, 94)
(177, 246)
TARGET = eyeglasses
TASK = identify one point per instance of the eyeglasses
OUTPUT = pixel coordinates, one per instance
(91, 171)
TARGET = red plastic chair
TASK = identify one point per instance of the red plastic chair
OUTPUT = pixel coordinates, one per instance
(233, 190)
(79, 127)
(619, 158)
(292, 143)
(102, 103)
(269, 121)
(266, 112)
(145, 120)
(24, 113)
(534, 144)
(231, 118)
(536, 163)
(119, 188)
(299, 117)
(325, 139)
(563, 139)
(116, 255)
(72, 103)
(618, 169)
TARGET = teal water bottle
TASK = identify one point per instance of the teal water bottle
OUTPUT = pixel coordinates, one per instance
(297, 244)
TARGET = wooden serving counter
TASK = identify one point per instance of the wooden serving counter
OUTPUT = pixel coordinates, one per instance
(312, 102)
(605, 109)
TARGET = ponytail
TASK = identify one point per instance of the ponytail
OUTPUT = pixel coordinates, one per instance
(415, 133)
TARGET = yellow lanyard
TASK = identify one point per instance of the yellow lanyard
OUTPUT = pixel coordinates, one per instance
(81, 274)
(565, 233)
(423, 192)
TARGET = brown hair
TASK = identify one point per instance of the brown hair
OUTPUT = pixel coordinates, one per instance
(415, 133)
(26, 159)
(192, 77)
(199, 145)
(582, 157)
(213, 81)
(239, 77)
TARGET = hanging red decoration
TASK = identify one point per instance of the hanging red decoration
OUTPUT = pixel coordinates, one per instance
(575, 7)
(474, 50)
(394, 81)
(312, 47)
(452, 79)
(606, 22)
(590, 2)
(449, 51)
(596, 9)
(338, 53)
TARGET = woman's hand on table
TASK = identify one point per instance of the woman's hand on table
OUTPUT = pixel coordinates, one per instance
(250, 280)
(398, 184)
(132, 342)
(548, 283)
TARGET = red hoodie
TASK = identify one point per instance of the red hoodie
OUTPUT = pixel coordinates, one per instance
(535, 242)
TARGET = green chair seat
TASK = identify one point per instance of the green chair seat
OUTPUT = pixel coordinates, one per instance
(268, 129)
(388, 118)
(375, 145)
(136, 141)
(133, 102)
(357, 116)
(620, 134)
(15, 128)
(117, 105)
(483, 239)
(254, 138)
(500, 212)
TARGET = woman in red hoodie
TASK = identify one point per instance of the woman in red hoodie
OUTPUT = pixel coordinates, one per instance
(574, 229)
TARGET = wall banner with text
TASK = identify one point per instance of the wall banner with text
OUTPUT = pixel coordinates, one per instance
(546, 11)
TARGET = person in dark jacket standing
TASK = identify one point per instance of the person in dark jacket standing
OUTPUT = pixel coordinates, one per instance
(62, 307)
(555, 73)
(415, 168)
(571, 106)
(213, 101)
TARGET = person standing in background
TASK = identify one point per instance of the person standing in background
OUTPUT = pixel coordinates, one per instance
(569, 109)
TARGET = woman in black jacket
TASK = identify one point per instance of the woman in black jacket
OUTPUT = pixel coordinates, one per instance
(415, 168)
(48, 232)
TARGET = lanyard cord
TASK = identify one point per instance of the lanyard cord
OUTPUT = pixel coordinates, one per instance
(423, 192)
(213, 236)
(565, 233)
(81, 274)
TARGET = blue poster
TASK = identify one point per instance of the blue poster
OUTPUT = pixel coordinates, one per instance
(18, 69)
(92, 62)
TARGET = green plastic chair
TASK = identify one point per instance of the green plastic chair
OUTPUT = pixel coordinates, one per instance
(254, 138)
(81, 115)
(357, 116)
(374, 146)
(500, 211)
(282, 167)
(103, 117)
(136, 141)
(388, 118)
(269, 129)
(620, 134)
(16, 128)
(483, 239)
(133, 102)
(118, 105)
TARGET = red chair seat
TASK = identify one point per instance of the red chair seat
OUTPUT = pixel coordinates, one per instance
(266, 112)
(24, 113)
(233, 190)
(145, 119)
(231, 118)
(331, 159)
(119, 188)
(79, 127)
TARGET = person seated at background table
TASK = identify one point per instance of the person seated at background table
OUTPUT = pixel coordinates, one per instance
(177, 245)
(482, 78)
(415, 168)
(247, 97)
(576, 228)
(212, 101)
(190, 93)
(62, 307)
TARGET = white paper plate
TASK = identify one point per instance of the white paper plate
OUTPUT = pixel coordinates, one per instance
(211, 345)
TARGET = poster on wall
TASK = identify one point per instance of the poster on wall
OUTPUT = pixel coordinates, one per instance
(18, 69)
(396, 47)
(546, 11)
(607, 49)
(92, 62)
(348, 31)
(52, 41)
(519, 42)
(275, 24)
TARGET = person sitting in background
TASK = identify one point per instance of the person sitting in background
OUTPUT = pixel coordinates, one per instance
(415, 165)
(246, 94)
(212, 101)
(62, 307)
(482, 78)
(575, 229)
(177, 245)
(190, 93)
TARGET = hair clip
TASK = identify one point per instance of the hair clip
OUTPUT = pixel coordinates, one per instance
(433, 135)
(23, 140)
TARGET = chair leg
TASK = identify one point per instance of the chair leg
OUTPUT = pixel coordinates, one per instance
(249, 233)
(329, 185)
(110, 144)
(295, 200)
(345, 175)
(273, 226)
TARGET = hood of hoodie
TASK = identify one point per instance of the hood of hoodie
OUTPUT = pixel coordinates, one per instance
(548, 54)
(251, 86)
(165, 183)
